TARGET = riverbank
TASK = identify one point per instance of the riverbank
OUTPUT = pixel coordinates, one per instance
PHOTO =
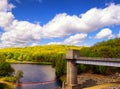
(89, 80)
(5, 85)
(29, 62)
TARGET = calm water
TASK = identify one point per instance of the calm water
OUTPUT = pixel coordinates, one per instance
(37, 73)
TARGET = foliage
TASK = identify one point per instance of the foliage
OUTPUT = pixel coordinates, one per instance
(81, 68)
(5, 86)
(5, 68)
(107, 49)
(60, 66)
(19, 75)
(9, 79)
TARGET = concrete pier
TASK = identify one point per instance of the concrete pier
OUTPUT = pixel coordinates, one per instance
(71, 72)
(71, 56)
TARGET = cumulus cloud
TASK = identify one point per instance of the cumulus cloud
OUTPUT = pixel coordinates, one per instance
(61, 25)
(4, 6)
(75, 39)
(72, 40)
(5, 19)
(35, 44)
(55, 43)
(96, 18)
(19, 33)
(104, 33)
(64, 24)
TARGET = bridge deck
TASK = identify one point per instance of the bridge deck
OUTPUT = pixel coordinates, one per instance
(98, 59)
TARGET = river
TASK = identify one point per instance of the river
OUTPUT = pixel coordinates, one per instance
(37, 76)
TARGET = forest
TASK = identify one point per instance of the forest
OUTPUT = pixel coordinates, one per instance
(55, 54)
(106, 49)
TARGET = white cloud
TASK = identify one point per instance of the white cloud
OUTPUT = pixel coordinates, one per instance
(17, 33)
(75, 39)
(6, 19)
(61, 25)
(21, 32)
(35, 44)
(4, 6)
(72, 40)
(96, 18)
(64, 24)
(55, 43)
(22, 25)
(104, 33)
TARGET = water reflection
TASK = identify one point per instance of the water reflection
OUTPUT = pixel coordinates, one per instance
(37, 73)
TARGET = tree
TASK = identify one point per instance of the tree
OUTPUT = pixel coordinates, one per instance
(5, 67)
(19, 75)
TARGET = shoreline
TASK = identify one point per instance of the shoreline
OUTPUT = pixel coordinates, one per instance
(26, 62)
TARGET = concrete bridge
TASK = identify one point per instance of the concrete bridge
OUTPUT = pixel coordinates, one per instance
(72, 57)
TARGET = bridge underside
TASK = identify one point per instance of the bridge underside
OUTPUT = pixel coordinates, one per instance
(102, 63)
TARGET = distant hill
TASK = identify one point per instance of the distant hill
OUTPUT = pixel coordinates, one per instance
(36, 53)
(109, 49)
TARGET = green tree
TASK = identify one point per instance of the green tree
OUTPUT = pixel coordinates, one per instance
(5, 68)
(19, 75)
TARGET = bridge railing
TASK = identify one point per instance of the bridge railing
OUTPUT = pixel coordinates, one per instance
(99, 59)
(74, 55)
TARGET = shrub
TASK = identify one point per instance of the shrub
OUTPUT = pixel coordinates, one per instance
(9, 79)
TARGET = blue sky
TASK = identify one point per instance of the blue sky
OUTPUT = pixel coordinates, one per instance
(68, 22)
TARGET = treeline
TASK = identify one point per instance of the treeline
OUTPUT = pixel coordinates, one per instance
(36, 54)
(105, 49)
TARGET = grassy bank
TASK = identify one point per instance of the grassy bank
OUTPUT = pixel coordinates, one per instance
(5, 85)
(28, 62)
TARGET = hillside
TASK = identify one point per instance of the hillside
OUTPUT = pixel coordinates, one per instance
(36, 53)
(108, 49)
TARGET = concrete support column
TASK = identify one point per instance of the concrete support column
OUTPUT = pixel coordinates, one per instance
(71, 57)
(71, 72)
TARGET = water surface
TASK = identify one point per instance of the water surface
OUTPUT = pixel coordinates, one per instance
(39, 74)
